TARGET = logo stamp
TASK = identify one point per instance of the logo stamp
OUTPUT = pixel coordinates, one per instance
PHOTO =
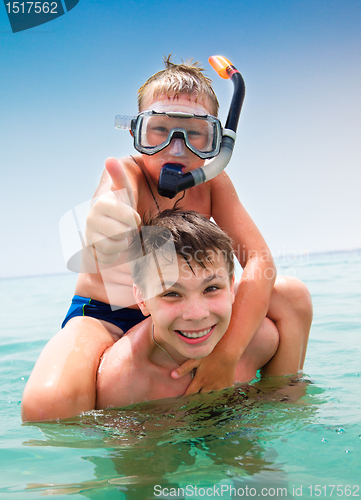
(26, 15)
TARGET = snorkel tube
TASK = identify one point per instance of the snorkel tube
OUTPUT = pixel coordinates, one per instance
(171, 179)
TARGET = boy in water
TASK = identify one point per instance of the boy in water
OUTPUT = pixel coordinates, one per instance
(127, 191)
(188, 290)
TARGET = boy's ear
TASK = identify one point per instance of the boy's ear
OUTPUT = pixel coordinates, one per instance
(139, 297)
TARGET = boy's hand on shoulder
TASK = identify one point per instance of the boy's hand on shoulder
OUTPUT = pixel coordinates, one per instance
(112, 216)
(212, 374)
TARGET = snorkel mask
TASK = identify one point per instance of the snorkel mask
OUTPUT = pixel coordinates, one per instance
(202, 134)
(154, 130)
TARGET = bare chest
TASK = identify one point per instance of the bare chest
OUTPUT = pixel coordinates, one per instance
(164, 386)
(197, 199)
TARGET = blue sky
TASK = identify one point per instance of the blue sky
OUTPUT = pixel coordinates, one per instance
(297, 160)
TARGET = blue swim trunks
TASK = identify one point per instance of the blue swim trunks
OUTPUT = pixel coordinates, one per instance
(124, 318)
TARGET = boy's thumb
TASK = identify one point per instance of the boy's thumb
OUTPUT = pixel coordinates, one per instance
(119, 177)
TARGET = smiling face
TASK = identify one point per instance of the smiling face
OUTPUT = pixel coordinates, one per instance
(176, 152)
(190, 305)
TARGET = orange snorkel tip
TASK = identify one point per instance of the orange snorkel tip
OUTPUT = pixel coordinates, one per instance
(222, 66)
(226, 70)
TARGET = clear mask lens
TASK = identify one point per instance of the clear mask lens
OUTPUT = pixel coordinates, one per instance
(154, 131)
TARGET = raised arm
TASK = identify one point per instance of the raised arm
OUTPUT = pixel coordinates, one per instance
(113, 213)
(259, 271)
(217, 371)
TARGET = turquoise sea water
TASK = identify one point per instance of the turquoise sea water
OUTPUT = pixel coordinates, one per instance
(242, 442)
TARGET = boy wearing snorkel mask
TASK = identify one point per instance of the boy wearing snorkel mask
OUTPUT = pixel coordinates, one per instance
(173, 128)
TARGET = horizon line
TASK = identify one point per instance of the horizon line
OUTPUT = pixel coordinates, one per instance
(279, 257)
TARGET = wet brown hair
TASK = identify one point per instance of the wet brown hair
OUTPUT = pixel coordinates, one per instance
(187, 77)
(193, 236)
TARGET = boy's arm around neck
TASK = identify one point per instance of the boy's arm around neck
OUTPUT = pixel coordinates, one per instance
(259, 271)
(253, 293)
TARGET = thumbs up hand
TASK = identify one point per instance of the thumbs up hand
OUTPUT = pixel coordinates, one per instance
(112, 216)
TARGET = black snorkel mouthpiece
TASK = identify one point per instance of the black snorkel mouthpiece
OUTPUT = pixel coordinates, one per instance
(171, 179)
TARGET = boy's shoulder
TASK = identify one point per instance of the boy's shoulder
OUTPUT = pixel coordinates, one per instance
(127, 372)
(221, 182)
(134, 168)
(131, 348)
(229, 213)
(223, 195)
(136, 175)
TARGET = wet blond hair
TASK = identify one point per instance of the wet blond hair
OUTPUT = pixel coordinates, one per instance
(187, 77)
